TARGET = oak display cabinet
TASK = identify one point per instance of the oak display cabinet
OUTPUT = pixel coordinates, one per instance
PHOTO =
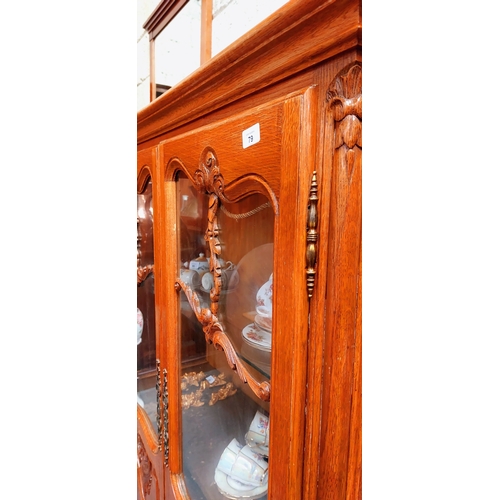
(249, 268)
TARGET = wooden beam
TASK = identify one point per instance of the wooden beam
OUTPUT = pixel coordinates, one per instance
(152, 74)
(206, 31)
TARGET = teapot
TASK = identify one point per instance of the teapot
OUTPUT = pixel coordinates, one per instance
(199, 264)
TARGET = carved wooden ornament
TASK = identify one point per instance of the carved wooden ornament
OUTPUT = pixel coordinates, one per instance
(214, 334)
(345, 100)
(209, 180)
(145, 466)
(142, 271)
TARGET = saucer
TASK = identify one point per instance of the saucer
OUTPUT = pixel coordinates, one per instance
(256, 338)
(263, 323)
(224, 484)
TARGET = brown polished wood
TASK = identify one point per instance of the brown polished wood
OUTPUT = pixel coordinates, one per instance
(149, 460)
(152, 70)
(299, 76)
(295, 37)
(206, 31)
(165, 11)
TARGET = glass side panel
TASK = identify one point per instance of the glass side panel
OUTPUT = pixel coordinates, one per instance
(225, 426)
(146, 337)
(177, 47)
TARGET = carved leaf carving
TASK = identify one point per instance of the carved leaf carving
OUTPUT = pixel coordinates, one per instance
(208, 178)
(345, 101)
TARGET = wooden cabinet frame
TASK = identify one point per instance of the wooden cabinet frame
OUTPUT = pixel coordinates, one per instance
(307, 60)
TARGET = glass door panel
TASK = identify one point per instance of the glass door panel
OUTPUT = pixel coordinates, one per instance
(226, 269)
(146, 337)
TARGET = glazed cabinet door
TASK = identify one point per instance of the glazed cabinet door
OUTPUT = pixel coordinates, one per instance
(233, 338)
(149, 457)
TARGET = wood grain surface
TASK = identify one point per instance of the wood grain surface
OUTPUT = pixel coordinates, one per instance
(299, 76)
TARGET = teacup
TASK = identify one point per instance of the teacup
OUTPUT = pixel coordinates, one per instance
(207, 281)
(264, 311)
(257, 436)
(248, 468)
(229, 278)
(190, 277)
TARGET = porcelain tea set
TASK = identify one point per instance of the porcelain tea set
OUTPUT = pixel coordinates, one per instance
(196, 274)
(258, 333)
(242, 471)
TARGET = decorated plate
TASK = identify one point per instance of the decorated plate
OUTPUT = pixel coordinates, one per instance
(257, 338)
(263, 323)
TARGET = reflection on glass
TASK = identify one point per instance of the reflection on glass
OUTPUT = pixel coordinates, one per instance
(225, 426)
(233, 19)
(177, 47)
(146, 338)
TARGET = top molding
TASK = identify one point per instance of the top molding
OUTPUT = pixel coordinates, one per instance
(295, 37)
(162, 15)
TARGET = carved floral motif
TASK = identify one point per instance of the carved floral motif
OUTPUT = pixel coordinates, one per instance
(209, 180)
(344, 94)
(208, 177)
(345, 102)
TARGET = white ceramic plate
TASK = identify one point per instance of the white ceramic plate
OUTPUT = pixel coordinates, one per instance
(254, 337)
(263, 323)
(229, 491)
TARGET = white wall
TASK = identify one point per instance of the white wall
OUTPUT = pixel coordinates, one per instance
(178, 46)
(233, 18)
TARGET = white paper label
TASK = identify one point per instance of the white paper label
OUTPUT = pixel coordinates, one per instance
(251, 136)
(210, 379)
